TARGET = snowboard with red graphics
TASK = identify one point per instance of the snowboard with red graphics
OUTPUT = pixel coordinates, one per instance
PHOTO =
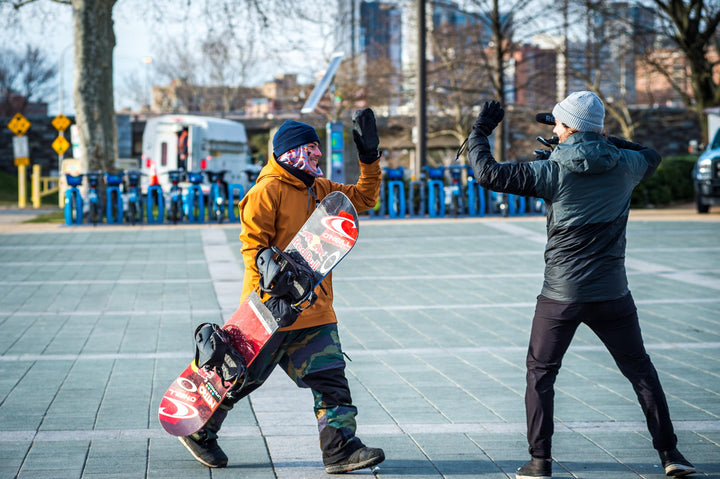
(325, 238)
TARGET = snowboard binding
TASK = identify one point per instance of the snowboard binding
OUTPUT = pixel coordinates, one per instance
(286, 276)
(214, 352)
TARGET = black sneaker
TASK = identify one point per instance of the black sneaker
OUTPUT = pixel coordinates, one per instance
(206, 452)
(535, 468)
(360, 459)
(675, 464)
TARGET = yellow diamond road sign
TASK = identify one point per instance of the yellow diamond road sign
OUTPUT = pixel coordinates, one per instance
(61, 122)
(19, 124)
(60, 145)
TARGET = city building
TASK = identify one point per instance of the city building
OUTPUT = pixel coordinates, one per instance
(371, 39)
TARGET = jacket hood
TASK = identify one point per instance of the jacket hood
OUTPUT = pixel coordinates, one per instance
(586, 153)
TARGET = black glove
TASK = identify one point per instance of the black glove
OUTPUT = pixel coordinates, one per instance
(491, 114)
(282, 311)
(365, 135)
(542, 154)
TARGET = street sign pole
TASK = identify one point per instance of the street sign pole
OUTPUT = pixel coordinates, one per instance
(19, 125)
(22, 189)
(60, 145)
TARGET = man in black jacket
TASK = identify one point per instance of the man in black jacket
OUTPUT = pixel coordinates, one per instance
(586, 184)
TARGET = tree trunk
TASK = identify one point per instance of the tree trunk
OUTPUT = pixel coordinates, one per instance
(94, 41)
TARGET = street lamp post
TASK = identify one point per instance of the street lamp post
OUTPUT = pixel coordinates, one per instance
(148, 92)
(61, 87)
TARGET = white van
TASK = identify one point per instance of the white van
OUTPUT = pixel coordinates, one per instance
(212, 144)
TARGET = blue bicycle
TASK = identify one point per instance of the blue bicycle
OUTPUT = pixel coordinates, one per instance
(175, 211)
(134, 213)
(93, 199)
(73, 200)
(456, 191)
(113, 198)
(194, 198)
(218, 194)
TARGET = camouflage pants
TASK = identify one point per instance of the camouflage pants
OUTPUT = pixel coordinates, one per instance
(312, 358)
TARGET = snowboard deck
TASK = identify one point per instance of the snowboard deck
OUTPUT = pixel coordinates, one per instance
(326, 237)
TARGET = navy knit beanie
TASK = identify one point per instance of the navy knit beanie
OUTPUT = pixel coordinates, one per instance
(292, 134)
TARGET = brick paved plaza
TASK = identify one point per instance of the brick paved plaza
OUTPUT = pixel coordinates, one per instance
(435, 314)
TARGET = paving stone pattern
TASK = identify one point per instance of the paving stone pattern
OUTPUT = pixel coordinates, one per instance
(434, 315)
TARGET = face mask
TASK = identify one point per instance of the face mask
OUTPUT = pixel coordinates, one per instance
(300, 158)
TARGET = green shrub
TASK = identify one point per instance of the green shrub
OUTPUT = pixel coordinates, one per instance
(671, 183)
(9, 191)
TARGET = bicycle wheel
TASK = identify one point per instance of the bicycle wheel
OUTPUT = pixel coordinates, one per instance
(73, 207)
(132, 213)
(114, 206)
(455, 205)
(94, 213)
(196, 207)
(174, 212)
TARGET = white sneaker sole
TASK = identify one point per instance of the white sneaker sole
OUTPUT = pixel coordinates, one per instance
(678, 470)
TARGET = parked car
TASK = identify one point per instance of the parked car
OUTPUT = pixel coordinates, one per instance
(706, 176)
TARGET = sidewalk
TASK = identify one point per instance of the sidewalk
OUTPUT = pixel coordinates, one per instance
(10, 215)
(96, 322)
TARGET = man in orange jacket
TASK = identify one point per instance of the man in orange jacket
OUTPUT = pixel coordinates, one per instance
(308, 350)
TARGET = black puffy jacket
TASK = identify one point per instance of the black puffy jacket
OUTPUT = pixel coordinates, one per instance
(586, 184)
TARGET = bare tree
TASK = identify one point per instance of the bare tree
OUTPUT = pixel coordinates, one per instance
(207, 74)
(377, 86)
(473, 62)
(458, 77)
(23, 78)
(177, 62)
(692, 26)
(134, 89)
(605, 64)
(94, 41)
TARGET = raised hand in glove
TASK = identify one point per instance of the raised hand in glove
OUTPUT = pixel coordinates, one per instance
(365, 135)
(490, 116)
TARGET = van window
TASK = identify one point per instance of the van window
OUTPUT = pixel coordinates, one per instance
(163, 154)
(716, 141)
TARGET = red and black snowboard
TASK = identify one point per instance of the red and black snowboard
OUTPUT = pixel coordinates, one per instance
(325, 238)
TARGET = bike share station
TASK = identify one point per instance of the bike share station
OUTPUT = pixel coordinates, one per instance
(442, 191)
(125, 204)
(446, 191)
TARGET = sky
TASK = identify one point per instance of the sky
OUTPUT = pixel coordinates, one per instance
(49, 27)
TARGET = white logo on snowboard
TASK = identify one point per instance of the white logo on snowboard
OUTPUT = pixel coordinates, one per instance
(184, 411)
(336, 223)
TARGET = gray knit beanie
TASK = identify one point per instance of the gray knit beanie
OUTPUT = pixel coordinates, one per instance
(581, 110)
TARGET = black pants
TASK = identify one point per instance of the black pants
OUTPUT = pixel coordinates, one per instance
(616, 324)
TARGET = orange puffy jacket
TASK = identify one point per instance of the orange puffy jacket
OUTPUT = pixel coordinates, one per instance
(275, 209)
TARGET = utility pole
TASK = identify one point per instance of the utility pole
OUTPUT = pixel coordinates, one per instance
(421, 93)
